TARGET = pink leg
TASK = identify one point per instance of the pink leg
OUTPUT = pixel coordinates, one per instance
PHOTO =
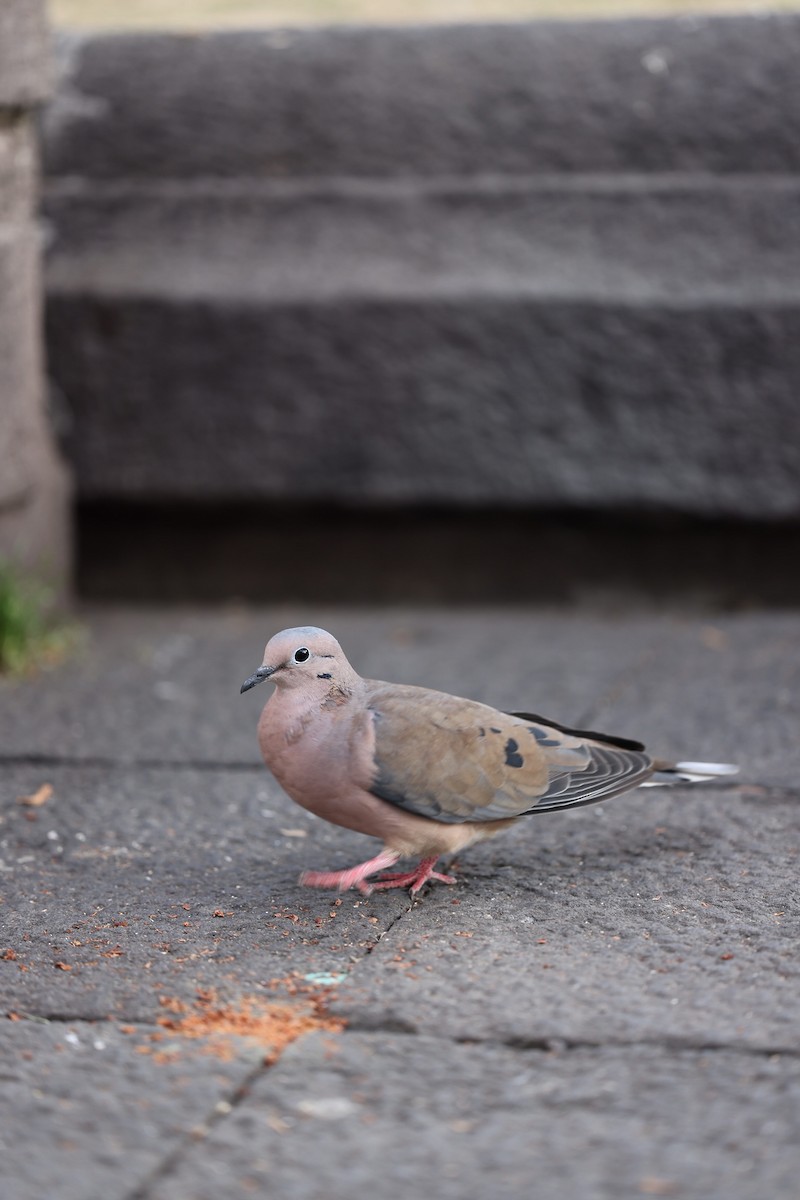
(353, 877)
(414, 879)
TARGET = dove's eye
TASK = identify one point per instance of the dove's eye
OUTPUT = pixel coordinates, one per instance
(301, 655)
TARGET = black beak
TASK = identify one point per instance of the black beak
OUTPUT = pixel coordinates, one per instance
(261, 674)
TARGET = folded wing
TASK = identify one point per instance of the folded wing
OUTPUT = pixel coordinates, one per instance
(455, 760)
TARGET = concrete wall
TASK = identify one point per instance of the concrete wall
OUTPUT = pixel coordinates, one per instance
(539, 267)
(34, 522)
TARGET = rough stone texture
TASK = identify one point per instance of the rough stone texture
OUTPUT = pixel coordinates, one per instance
(537, 266)
(123, 1111)
(689, 409)
(195, 888)
(34, 490)
(191, 678)
(24, 53)
(487, 1121)
(686, 95)
(635, 886)
(17, 170)
(606, 1003)
(20, 364)
(34, 527)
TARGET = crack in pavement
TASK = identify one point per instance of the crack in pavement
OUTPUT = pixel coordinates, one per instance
(670, 1044)
(394, 1025)
(221, 1110)
(554, 1044)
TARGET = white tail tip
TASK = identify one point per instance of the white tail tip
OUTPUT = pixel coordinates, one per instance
(690, 772)
(705, 770)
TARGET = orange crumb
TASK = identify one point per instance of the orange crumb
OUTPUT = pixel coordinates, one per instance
(272, 1025)
(38, 798)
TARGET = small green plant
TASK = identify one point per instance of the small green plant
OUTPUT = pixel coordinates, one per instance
(28, 639)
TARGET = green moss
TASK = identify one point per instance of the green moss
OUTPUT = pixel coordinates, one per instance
(29, 637)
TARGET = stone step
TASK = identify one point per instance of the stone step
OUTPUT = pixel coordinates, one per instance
(674, 95)
(477, 401)
(549, 266)
(638, 240)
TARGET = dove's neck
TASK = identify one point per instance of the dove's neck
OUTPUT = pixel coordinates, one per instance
(327, 688)
(313, 707)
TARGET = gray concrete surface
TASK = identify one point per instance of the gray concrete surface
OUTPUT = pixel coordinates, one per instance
(34, 524)
(605, 1005)
(538, 266)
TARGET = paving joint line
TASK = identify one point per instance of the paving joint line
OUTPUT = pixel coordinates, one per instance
(544, 1044)
(669, 1044)
(58, 1018)
(553, 1043)
(125, 764)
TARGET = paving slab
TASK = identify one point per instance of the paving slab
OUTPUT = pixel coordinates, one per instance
(727, 688)
(606, 1003)
(133, 885)
(87, 1116)
(164, 684)
(659, 918)
(471, 1120)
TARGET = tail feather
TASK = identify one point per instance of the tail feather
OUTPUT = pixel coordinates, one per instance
(688, 772)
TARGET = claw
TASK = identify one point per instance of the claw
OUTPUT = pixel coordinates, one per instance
(358, 877)
(416, 879)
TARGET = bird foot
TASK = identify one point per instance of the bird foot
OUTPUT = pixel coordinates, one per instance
(414, 880)
(353, 877)
(358, 877)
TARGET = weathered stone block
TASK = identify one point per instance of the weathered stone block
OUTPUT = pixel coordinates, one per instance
(34, 520)
(17, 168)
(613, 344)
(19, 360)
(470, 401)
(24, 52)
(671, 95)
(34, 490)
(547, 266)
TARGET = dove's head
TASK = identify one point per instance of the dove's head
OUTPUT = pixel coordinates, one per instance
(306, 657)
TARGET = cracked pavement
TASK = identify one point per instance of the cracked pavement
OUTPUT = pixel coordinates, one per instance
(606, 1004)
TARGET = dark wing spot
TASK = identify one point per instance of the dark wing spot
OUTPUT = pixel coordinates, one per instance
(541, 736)
(512, 758)
(481, 731)
(325, 674)
(495, 730)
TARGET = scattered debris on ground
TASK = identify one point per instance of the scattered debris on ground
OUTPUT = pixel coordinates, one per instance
(273, 1025)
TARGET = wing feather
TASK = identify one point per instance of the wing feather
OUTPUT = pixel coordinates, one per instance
(456, 760)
